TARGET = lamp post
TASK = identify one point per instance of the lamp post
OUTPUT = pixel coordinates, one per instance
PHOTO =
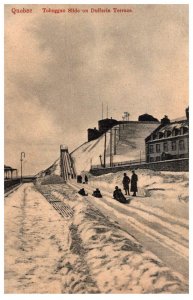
(22, 156)
(100, 156)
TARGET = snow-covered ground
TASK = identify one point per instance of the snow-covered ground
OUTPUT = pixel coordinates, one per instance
(156, 189)
(80, 250)
(158, 216)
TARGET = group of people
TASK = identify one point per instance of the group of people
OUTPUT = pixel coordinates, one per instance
(117, 194)
(126, 181)
(96, 193)
(80, 179)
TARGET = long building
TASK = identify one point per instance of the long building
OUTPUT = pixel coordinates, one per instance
(170, 140)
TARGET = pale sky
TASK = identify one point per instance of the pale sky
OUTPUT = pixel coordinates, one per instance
(59, 68)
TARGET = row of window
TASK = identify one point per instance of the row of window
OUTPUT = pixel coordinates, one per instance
(167, 133)
(157, 147)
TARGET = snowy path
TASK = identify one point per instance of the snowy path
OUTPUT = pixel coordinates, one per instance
(58, 242)
(158, 231)
(37, 254)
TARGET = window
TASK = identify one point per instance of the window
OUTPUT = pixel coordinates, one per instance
(183, 130)
(154, 136)
(174, 146)
(157, 158)
(151, 149)
(157, 148)
(165, 147)
(161, 135)
(181, 145)
(167, 133)
(151, 159)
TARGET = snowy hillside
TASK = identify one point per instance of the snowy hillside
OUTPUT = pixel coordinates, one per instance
(128, 140)
(88, 154)
(131, 141)
(130, 144)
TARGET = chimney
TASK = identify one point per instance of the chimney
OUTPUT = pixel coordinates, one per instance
(165, 121)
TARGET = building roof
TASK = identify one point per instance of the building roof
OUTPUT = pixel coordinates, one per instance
(169, 127)
(174, 125)
(8, 168)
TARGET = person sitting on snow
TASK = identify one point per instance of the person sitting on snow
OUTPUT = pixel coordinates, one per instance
(118, 195)
(82, 192)
(97, 193)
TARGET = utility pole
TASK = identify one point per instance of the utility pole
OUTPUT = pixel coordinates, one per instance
(115, 140)
(100, 156)
(105, 148)
(111, 155)
(102, 110)
(21, 159)
(91, 163)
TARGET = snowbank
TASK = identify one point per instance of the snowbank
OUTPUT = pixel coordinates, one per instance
(165, 190)
(117, 261)
(84, 253)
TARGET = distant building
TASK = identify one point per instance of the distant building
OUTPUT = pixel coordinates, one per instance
(170, 140)
(9, 172)
(103, 126)
(147, 117)
(93, 134)
(106, 124)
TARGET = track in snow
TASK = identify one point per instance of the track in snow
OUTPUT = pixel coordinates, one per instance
(53, 197)
(155, 229)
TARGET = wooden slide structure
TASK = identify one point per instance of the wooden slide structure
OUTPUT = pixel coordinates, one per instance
(66, 164)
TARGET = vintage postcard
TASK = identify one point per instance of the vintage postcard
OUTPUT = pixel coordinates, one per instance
(96, 169)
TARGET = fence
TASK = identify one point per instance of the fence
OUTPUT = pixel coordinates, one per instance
(117, 164)
(9, 184)
(175, 165)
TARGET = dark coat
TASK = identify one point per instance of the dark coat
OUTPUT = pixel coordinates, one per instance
(118, 195)
(79, 179)
(82, 192)
(126, 181)
(134, 180)
(97, 194)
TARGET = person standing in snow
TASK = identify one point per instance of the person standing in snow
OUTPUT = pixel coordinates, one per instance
(79, 179)
(126, 181)
(134, 179)
(86, 179)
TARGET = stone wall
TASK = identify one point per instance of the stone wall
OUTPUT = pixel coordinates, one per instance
(175, 165)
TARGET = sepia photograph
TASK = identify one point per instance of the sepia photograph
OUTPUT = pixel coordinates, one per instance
(96, 149)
